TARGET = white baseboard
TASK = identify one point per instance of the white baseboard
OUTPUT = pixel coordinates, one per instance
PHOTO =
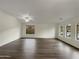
(7, 42)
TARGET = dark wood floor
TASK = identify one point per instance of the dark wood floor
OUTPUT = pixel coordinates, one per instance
(38, 49)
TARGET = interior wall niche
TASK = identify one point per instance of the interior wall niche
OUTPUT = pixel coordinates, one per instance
(30, 29)
(68, 30)
(77, 31)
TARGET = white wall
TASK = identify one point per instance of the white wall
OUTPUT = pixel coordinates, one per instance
(72, 40)
(9, 28)
(41, 31)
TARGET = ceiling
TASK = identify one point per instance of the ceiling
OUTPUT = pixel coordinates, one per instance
(42, 11)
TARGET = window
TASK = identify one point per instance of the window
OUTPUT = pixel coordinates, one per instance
(77, 31)
(68, 30)
(61, 31)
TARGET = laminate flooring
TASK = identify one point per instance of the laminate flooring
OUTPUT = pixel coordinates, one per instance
(38, 49)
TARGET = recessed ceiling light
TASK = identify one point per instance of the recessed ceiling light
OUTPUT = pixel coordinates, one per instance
(60, 18)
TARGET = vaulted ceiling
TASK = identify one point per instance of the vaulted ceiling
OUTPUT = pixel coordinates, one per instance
(42, 11)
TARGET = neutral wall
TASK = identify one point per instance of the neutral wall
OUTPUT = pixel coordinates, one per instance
(72, 40)
(41, 31)
(9, 28)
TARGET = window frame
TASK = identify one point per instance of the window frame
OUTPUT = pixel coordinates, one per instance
(68, 31)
